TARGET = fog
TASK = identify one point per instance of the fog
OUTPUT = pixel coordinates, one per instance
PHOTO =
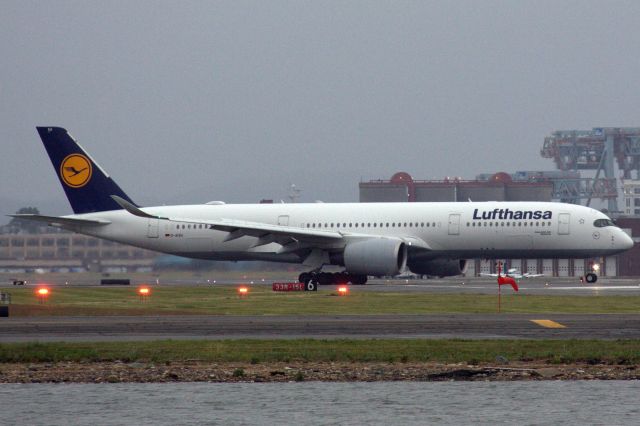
(187, 102)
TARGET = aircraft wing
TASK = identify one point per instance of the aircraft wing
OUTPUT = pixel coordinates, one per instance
(59, 221)
(291, 238)
(266, 233)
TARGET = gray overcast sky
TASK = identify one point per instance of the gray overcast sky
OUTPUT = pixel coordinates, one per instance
(186, 102)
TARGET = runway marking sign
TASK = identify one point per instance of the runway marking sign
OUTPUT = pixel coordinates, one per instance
(548, 323)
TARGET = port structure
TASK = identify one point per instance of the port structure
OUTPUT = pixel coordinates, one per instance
(597, 149)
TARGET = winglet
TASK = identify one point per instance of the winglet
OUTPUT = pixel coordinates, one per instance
(131, 208)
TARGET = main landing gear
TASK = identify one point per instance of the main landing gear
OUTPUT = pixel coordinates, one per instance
(591, 278)
(311, 280)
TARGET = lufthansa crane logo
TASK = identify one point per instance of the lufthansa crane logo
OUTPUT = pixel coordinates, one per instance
(75, 170)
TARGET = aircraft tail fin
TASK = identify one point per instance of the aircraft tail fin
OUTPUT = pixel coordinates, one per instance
(87, 186)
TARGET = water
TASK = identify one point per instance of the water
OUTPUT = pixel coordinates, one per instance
(379, 403)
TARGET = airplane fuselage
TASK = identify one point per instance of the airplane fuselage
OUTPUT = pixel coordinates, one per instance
(450, 230)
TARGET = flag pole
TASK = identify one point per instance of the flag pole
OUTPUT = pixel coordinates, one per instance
(499, 292)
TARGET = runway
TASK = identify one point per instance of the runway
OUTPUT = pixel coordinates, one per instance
(437, 326)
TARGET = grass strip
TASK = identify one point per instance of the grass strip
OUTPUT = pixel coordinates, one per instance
(315, 350)
(262, 301)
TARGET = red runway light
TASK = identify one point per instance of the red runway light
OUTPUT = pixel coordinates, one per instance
(243, 291)
(42, 294)
(343, 290)
(144, 291)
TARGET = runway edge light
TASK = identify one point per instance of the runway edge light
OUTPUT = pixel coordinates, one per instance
(243, 291)
(144, 292)
(42, 293)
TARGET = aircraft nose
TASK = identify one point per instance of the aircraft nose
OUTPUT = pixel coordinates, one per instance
(626, 241)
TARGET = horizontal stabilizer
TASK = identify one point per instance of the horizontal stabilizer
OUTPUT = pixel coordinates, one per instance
(61, 221)
(131, 208)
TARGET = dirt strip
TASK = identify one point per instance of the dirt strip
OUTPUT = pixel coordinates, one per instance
(197, 371)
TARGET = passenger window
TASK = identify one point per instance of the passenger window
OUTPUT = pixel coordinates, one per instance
(337, 225)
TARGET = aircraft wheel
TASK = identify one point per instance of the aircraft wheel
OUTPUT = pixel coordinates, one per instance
(591, 278)
(325, 278)
(305, 277)
(340, 278)
(358, 279)
(311, 285)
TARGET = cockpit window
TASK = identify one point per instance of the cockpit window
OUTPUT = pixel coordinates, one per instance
(601, 223)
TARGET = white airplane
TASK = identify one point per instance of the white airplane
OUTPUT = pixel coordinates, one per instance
(514, 273)
(366, 239)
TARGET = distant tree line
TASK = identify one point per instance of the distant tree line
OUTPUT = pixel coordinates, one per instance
(17, 225)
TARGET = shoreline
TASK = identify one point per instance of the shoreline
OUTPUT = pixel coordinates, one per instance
(198, 371)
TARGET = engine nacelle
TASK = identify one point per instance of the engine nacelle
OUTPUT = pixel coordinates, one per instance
(379, 257)
(438, 267)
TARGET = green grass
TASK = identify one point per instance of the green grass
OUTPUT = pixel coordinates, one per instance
(310, 350)
(223, 300)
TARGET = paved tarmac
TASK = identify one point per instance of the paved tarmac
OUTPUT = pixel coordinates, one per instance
(467, 326)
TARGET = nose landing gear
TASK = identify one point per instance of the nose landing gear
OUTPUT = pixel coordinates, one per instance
(591, 278)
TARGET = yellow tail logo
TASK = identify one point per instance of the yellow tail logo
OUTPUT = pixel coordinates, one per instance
(75, 170)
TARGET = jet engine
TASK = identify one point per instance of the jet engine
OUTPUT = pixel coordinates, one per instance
(379, 257)
(438, 267)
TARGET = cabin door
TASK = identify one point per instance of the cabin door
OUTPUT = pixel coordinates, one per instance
(564, 220)
(283, 220)
(152, 228)
(454, 224)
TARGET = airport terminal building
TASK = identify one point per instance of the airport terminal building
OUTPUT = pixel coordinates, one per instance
(68, 252)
